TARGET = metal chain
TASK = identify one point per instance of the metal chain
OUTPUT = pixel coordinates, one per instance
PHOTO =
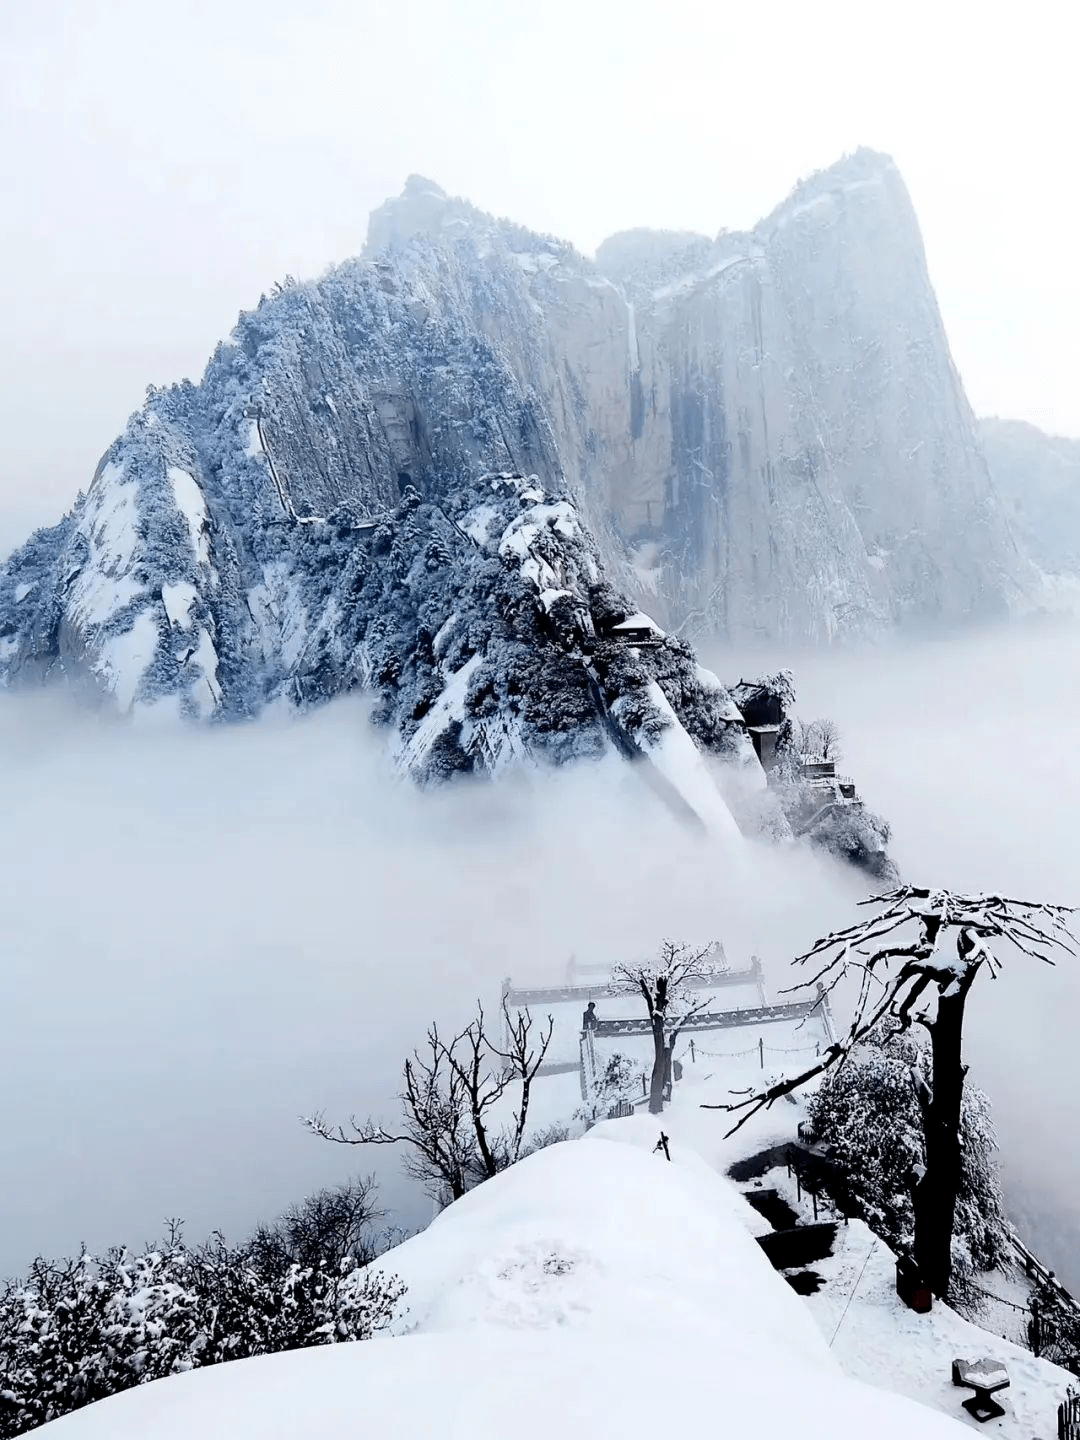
(754, 1050)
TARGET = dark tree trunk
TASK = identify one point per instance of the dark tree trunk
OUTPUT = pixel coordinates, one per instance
(659, 1069)
(935, 1194)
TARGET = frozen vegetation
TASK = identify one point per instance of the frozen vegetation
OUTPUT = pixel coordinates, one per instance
(495, 486)
(598, 1285)
(763, 433)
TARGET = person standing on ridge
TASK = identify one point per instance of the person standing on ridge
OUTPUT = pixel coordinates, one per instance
(589, 1020)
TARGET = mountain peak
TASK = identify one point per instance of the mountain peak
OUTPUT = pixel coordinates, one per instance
(422, 205)
(417, 185)
(862, 171)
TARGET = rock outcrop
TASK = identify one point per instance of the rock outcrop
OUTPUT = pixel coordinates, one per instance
(759, 435)
(766, 430)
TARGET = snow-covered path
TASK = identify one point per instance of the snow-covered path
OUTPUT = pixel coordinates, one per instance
(597, 1288)
(881, 1341)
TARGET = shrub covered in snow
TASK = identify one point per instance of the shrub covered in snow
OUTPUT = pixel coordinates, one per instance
(856, 835)
(74, 1331)
(868, 1112)
(620, 1079)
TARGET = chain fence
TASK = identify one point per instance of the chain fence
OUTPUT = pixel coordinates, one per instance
(694, 1050)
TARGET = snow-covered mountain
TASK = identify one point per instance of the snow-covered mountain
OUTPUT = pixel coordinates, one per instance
(480, 621)
(765, 431)
(761, 435)
(1038, 478)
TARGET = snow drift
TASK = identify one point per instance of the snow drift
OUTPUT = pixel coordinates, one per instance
(594, 1288)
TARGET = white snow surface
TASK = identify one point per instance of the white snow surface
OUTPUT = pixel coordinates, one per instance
(524, 530)
(825, 198)
(178, 598)
(109, 523)
(532, 263)
(206, 692)
(683, 766)
(548, 597)
(192, 506)
(685, 284)
(277, 607)
(639, 621)
(711, 682)
(883, 1342)
(442, 635)
(124, 658)
(253, 446)
(593, 1289)
(477, 522)
(450, 706)
(21, 591)
(598, 1289)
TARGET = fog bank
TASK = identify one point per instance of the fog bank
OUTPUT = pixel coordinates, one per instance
(971, 748)
(205, 933)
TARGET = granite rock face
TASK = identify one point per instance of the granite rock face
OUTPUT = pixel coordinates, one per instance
(757, 435)
(1038, 478)
(766, 430)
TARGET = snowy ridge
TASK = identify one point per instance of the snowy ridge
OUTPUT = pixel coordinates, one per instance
(593, 1288)
(478, 622)
(108, 527)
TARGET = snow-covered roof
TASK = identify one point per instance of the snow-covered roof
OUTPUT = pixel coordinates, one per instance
(638, 621)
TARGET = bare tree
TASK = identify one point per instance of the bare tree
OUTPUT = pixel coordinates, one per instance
(828, 739)
(522, 1063)
(804, 737)
(818, 739)
(664, 988)
(908, 974)
(329, 1228)
(448, 1092)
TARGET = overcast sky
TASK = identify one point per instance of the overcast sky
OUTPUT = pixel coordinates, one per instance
(161, 165)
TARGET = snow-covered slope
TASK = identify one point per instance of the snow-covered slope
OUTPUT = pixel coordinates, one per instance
(479, 621)
(593, 1289)
(1038, 478)
(764, 434)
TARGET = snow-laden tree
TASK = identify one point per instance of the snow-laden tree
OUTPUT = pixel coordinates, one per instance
(853, 834)
(77, 1330)
(450, 1103)
(867, 1112)
(667, 986)
(818, 739)
(914, 961)
(618, 1080)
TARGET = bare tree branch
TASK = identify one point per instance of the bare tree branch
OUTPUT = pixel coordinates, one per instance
(664, 986)
(915, 970)
(451, 1091)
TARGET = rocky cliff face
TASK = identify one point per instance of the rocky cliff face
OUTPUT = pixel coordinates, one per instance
(760, 435)
(1038, 479)
(765, 430)
(479, 623)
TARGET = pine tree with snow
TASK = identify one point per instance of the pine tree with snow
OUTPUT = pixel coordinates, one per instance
(867, 1113)
(908, 973)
